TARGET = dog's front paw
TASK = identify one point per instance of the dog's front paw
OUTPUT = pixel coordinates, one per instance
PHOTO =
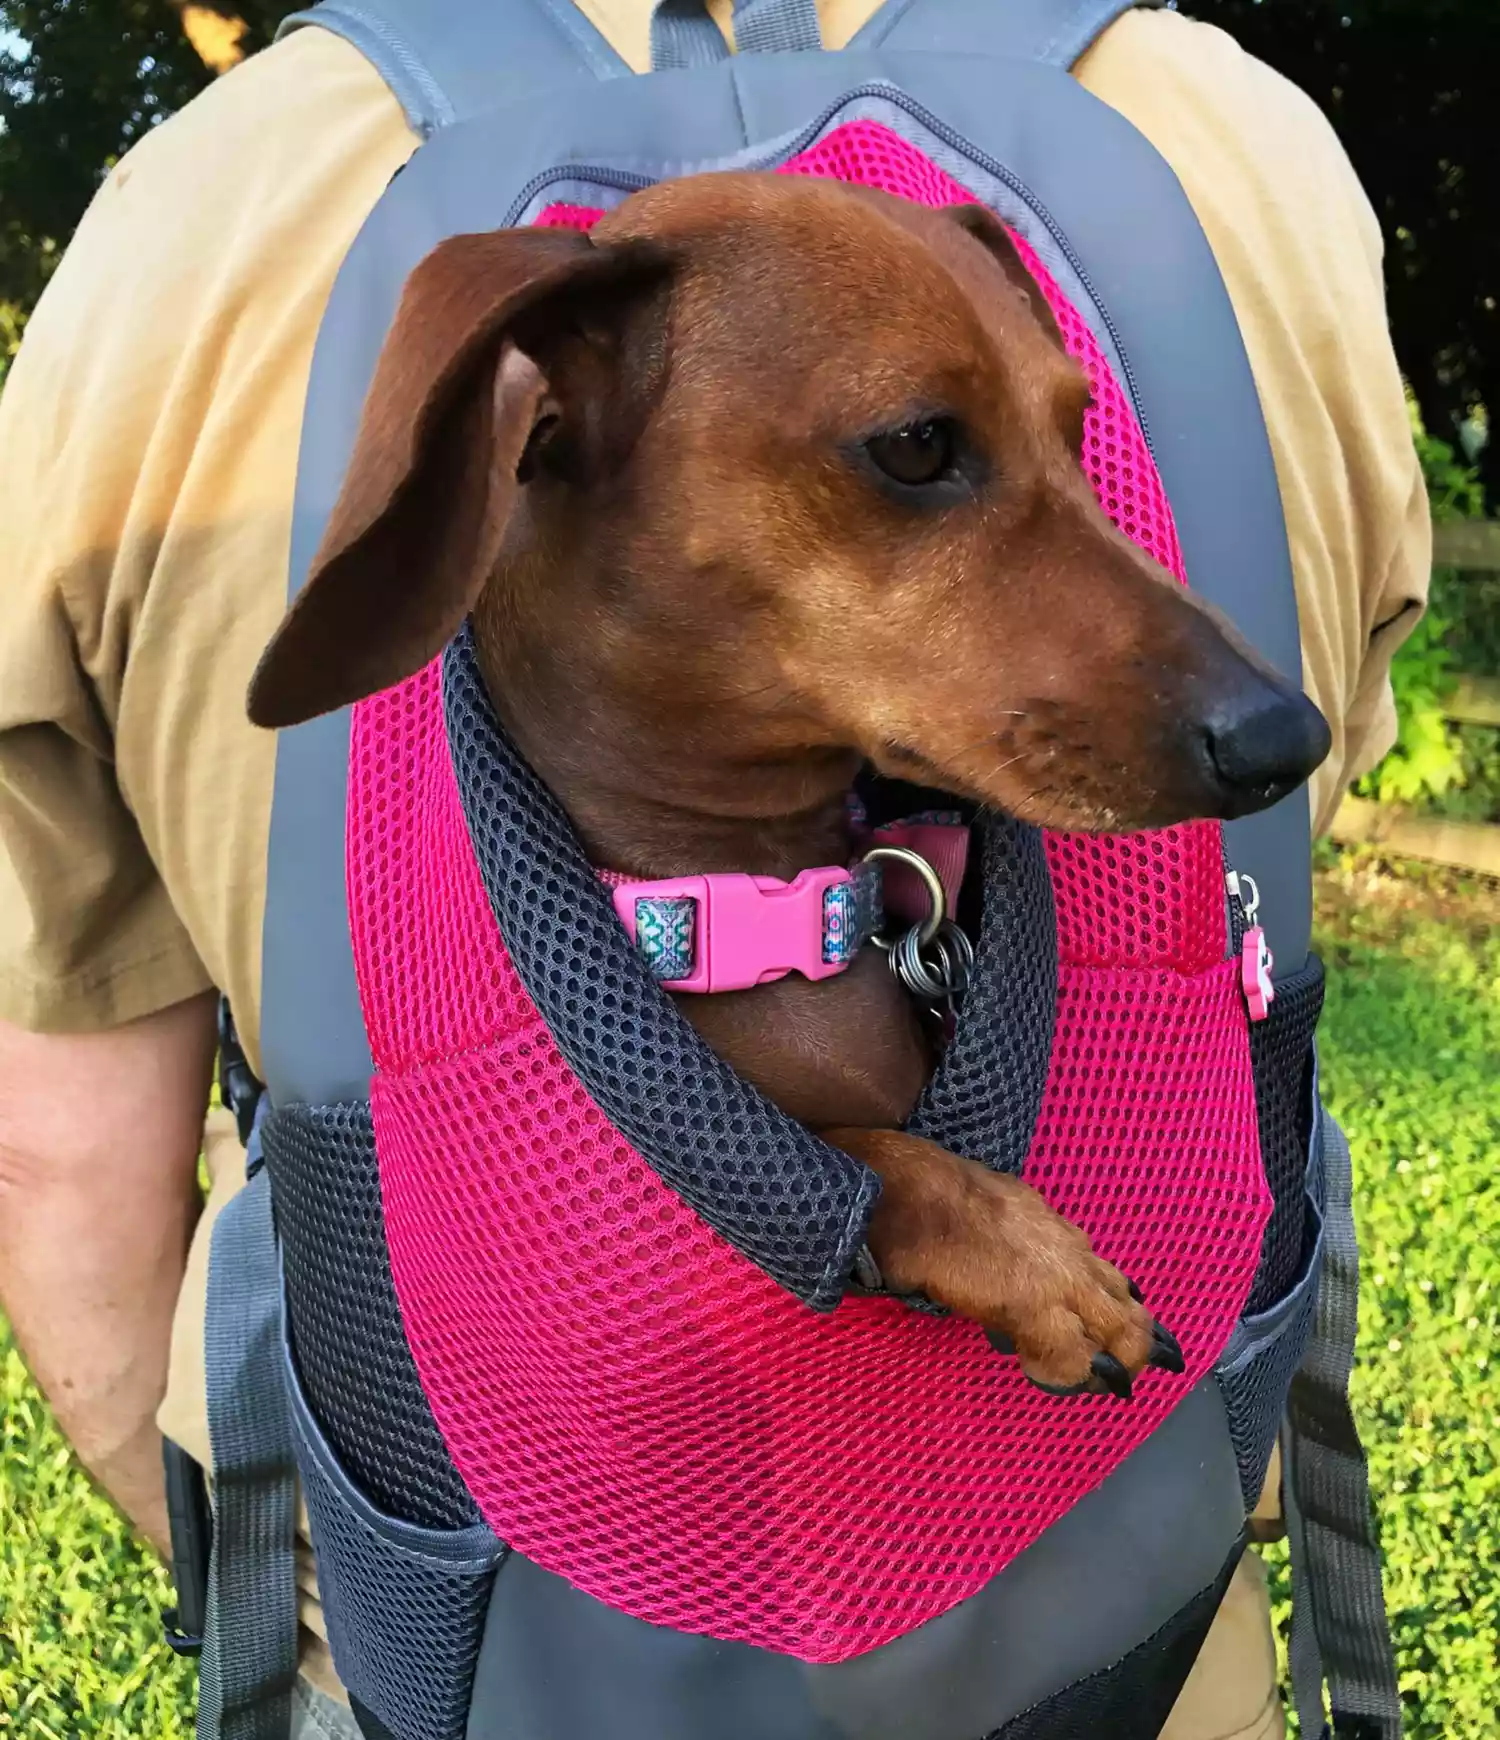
(991, 1249)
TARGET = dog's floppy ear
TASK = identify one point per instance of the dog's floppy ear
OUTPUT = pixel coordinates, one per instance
(992, 235)
(455, 400)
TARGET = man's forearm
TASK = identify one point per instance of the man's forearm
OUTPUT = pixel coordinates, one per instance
(98, 1198)
(91, 1305)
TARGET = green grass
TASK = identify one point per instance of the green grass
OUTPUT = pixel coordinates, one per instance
(81, 1656)
(1411, 1054)
(1411, 1066)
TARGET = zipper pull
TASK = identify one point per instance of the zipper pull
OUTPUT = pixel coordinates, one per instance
(1255, 973)
(1256, 960)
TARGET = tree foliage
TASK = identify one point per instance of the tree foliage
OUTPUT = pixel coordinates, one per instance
(80, 82)
(1412, 88)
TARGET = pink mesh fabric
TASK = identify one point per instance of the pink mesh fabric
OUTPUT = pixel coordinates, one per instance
(633, 1404)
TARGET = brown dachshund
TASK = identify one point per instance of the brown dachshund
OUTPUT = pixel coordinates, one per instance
(764, 481)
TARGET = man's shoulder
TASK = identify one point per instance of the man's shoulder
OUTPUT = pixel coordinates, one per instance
(1198, 95)
(297, 133)
(274, 114)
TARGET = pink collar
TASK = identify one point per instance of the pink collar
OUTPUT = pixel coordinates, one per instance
(730, 932)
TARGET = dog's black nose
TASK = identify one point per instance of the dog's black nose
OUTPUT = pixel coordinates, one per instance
(1263, 744)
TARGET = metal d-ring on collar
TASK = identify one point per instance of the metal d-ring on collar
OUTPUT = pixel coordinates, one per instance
(933, 959)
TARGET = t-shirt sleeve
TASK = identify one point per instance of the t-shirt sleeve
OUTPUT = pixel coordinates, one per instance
(148, 449)
(88, 937)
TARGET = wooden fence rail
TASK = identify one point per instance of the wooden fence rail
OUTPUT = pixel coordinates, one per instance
(1470, 545)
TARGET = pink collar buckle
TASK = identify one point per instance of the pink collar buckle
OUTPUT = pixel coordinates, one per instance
(733, 932)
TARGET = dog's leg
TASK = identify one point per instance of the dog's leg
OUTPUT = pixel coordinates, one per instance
(990, 1248)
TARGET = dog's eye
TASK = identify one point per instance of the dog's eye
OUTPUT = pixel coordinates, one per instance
(916, 453)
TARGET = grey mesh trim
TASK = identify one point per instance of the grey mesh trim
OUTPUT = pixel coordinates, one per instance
(1340, 1633)
(405, 1605)
(249, 1658)
(984, 1098)
(512, 816)
(1264, 1351)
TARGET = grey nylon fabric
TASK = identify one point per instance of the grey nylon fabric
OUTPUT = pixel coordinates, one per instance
(1340, 1633)
(421, 97)
(556, 1664)
(249, 1659)
(447, 59)
(1053, 32)
(316, 1716)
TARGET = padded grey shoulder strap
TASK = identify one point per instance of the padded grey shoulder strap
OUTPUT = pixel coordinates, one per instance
(1055, 32)
(447, 59)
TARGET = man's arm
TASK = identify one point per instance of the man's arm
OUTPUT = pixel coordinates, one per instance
(99, 1141)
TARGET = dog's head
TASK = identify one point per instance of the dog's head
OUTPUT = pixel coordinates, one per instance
(775, 475)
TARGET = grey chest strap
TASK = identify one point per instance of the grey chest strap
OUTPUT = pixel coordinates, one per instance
(1340, 1636)
(249, 1656)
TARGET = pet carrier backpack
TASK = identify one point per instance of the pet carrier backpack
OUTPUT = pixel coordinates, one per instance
(549, 1313)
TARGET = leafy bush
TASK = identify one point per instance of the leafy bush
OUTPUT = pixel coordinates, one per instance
(1426, 761)
(1434, 762)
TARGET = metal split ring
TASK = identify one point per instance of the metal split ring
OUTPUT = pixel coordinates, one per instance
(933, 959)
(937, 971)
(935, 919)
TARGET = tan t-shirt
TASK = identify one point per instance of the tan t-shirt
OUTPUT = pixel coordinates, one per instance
(148, 448)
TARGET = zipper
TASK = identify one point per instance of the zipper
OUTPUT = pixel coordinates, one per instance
(623, 179)
(627, 181)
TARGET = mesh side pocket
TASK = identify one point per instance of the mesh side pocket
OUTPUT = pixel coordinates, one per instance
(350, 1345)
(1281, 1058)
(405, 1605)
(1264, 1352)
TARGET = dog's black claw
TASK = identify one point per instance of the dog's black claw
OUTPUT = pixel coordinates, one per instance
(1166, 1353)
(1000, 1341)
(1135, 1292)
(1111, 1374)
